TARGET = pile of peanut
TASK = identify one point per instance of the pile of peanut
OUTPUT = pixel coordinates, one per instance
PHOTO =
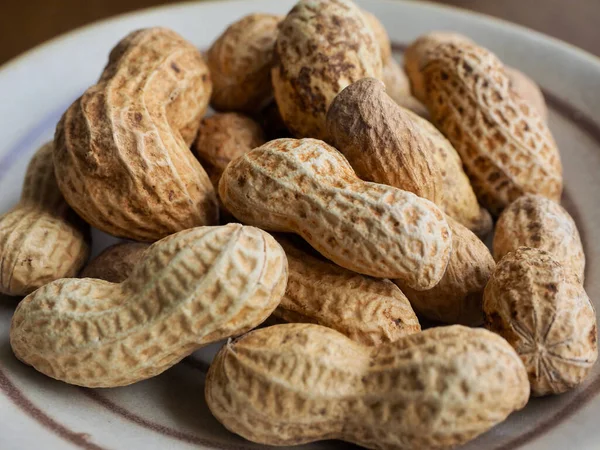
(335, 195)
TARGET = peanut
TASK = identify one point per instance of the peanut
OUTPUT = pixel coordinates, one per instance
(122, 157)
(307, 187)
(41, 239)
(322, 47)
(541, 308)
(397, 87)
(193, 288)
(116, 262)
(297, 383)
(505, 145)
(367, 310)
(240, 62)
(535, 221)
(381, 36)
(528, 90)
(458, 297)
(382, 143)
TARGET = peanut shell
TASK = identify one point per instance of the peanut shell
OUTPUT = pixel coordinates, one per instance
(116, 262)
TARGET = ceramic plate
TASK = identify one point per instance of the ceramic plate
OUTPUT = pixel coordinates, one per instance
(169, 411)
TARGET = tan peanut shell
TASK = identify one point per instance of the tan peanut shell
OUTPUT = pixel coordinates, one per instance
(116, 262)
(240, 62)
(193, 288)
(297, 383)
(380, 33)
(322, 47)
(505, 145)
(381, 142)
(528, 90)
(458, 297)
(540, 307)
(397, 87)
(369, 311)
(307, 187)
(535, 221)
(122, 157)
(41, 239)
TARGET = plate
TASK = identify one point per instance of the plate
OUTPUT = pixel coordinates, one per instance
(169, 411)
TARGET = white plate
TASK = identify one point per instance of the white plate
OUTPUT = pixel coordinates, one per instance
(169, 411)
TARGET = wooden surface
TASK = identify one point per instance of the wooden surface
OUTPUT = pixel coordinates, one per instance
(26, 23)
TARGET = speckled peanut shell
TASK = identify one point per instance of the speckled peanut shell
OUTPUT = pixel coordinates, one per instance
(458, 297)
(322, 47)
(41, 239)
(240, 62)
(535, 221)
(368, 310)
(193, 288)
(383, 143)
(505, 145)
(397, 86)
(298, 383)
(307, 187)
(528, 90)
(541, 308)
(459, 200)
(380, 33)
(116, 262)
(122, 157)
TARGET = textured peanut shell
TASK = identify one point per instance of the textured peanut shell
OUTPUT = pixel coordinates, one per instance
(240, 62)
(535, 221)
(380, 33)
(122, 157)
(307, 187)
(382, 143)
(193, 288)
(297, 383)
(116, 262)
(322, 47)
(528, 90)
(458, 297)
(41, 239)
(369, 311)
(505, 145)
(397, 86)
(540, 307)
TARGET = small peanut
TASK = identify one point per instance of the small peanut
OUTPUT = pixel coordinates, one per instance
(193, 288)
(298, 383)
(540, 307)
(307, 187)
(116, 262)
(41, 239)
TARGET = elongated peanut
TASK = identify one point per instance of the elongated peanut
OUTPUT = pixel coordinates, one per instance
(383, 143)
(240, 62)
(307, 187)
(122, 157)
(298, 383)
(380, 33)
(458, 297)
(194, 287)
(116, 262)
(41, 239)
(397, 87)
(322, 47)
(535, 221)
(541, 308)
(368, 310)
(505, 145)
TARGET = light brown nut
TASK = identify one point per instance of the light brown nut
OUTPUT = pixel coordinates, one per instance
(322, 47)
(193, 288)
(382, 142)
(307, 187)
(541, 308)
(459, 200)
(122, 157)
(297, 383)
(240, 62)
(535, 221)
(41, 239)
(116, 262)
(369, 311)
(397, 86)
(383, 40)
(528, 90)
(458, 297)
(505, 145)
(416, 54)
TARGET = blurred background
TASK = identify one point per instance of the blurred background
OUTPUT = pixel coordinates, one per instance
(26, 23)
